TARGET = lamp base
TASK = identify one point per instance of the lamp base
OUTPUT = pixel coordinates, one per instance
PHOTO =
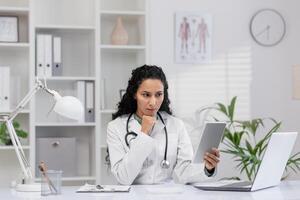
(29, 187)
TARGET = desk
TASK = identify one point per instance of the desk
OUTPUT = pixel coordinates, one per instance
(286, 190)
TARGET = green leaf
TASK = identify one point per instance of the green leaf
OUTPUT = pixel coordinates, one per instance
(222, 108)
(249, 147)
(4, 134)
(231, 108)
(16, 124)
(294, 162)
(295, 155)
(266, 138)
(21, 133)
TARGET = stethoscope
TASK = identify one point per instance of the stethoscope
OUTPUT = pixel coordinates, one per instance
(164, 163)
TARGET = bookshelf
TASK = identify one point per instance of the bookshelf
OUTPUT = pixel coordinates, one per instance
(84, 27)
(117, 61)
(17, 57)
(76, 27)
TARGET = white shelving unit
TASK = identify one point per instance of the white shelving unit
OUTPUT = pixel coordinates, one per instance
(117, 61)
(85, 28)
(74, 22)
(63, 124)
(15, 45)
(17, 57)
(12, 148)
(70, 78)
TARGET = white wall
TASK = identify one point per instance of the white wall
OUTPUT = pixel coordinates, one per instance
(268, 70)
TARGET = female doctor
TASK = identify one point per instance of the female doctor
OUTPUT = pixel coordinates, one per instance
(147, 145)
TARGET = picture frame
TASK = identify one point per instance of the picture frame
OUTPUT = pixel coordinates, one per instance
(9, 28)
(296, 82)
(193, 37)
(122, 92)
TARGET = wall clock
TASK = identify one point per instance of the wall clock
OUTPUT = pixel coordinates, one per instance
(267, 27)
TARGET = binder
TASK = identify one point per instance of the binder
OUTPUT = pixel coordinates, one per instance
(4, 89)
(40, 55)
(80, 85)
(57, 61)
(89, 102)
(48, 55)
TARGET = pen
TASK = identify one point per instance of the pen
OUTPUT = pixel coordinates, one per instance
(43, 169)
(99, 187)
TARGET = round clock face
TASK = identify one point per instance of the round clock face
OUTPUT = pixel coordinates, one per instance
(267, 27)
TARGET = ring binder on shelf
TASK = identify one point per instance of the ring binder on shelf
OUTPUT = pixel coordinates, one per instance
(57, 61)
(48, 55)
(4, 89)
(89, 102)
(40, 55)
(44, 55)
(80, 85)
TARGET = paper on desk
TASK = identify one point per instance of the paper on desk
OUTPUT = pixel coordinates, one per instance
(87, 188)
(165, 190)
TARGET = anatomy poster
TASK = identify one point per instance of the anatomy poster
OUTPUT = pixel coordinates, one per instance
(193, 33)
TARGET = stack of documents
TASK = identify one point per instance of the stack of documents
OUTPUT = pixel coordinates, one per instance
(87, 188)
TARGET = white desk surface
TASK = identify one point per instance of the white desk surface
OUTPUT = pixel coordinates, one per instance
(286, 190)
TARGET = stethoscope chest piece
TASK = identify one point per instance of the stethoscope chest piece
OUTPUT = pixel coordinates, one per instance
(165, 164)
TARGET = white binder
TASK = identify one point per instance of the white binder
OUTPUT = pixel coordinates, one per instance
(57, 61)
(40, 55)
(80, 85)
(89, 102)
(4, 89)
(48, 55)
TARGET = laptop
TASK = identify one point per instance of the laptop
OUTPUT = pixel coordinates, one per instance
(270, 170)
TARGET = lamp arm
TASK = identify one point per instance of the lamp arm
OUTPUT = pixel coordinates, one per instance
(19, 150)
(8, 120)
(27, 98)
(26, 168)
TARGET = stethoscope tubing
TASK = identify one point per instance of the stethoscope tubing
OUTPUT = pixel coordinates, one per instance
(135, 134)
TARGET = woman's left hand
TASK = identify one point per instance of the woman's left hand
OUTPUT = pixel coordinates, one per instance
(211, 159)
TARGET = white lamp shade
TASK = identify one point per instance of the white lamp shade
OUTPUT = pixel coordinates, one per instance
(70, 107)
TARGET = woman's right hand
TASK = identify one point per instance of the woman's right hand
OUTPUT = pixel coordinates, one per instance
(147, 124)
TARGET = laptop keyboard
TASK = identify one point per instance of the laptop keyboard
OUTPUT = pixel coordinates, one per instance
(240, 184)
(230, 183)
(216, 183)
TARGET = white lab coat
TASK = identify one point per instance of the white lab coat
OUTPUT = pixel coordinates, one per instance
(140, 164)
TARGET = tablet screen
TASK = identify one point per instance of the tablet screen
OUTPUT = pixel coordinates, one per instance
(211, 138)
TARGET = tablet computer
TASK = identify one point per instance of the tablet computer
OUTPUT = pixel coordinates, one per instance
(211, 138)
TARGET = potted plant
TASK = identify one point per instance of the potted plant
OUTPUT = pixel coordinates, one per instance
(241, 140)
(4, 134)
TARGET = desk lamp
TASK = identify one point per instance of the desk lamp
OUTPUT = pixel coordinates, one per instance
(66, 106)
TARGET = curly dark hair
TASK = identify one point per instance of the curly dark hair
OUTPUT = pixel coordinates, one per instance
(128, 103)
